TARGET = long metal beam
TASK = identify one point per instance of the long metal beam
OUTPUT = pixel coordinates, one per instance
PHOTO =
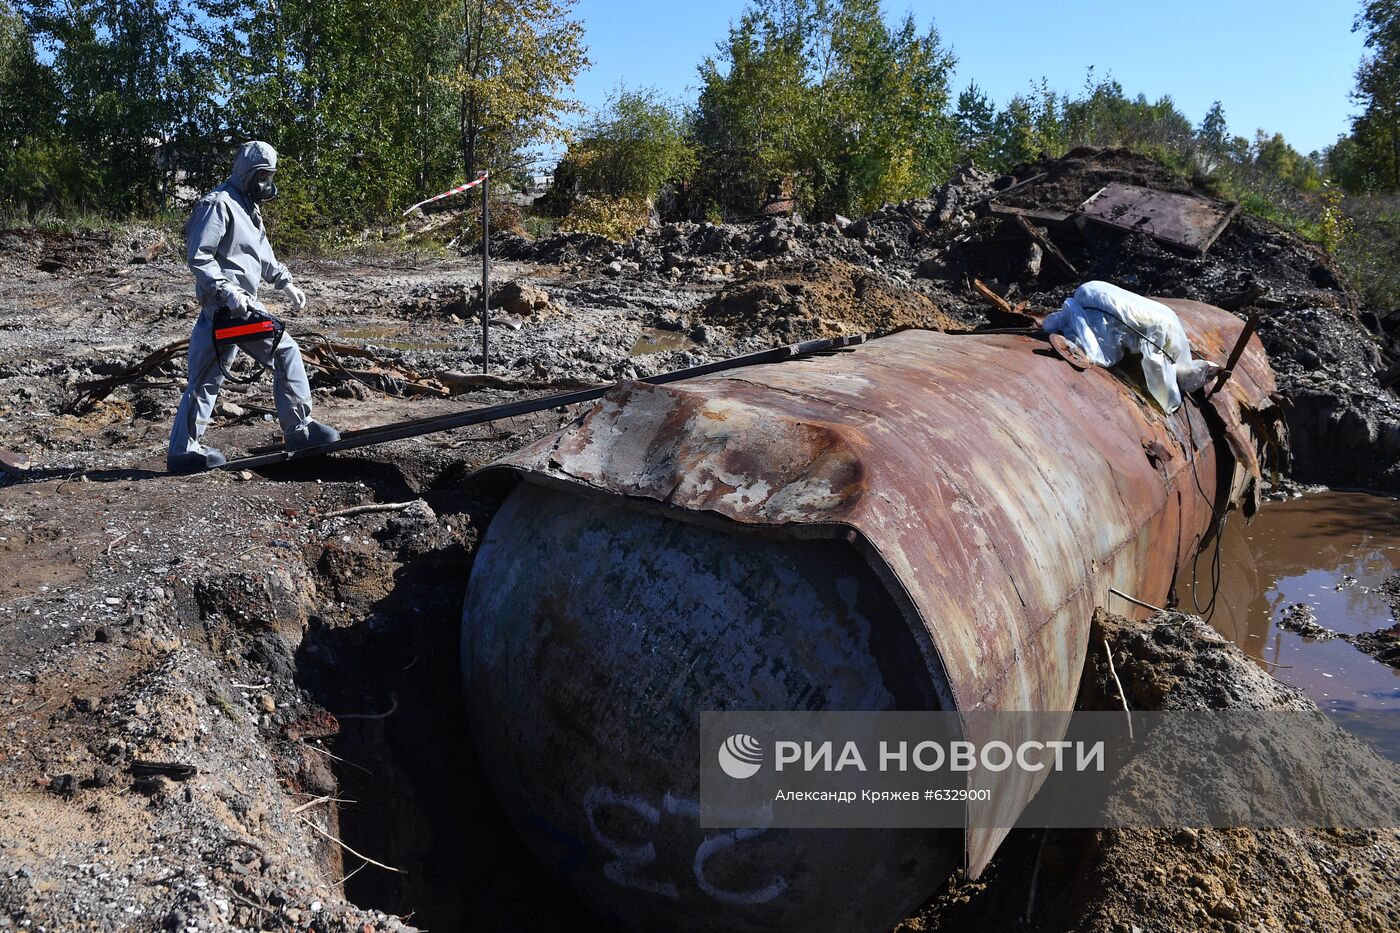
(399, 430)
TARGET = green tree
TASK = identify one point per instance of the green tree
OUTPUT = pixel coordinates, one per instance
(33, 157)
(1031, 124)
(1377, 128)
(514, 62)
(1343, 163)
(350, 93)
(1275, 157)
(1214, 132)
(885, 106)
(752, 115)
(822, 100)
(372, 104)
(632, 146)
(974, 121)
(132, 90)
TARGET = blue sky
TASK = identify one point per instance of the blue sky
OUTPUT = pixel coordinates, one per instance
(1282, 65)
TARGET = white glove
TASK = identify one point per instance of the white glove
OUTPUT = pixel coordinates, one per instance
(298, 297)
(236, 300)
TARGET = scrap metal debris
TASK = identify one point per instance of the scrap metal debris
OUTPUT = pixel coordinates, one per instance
(1188, 221)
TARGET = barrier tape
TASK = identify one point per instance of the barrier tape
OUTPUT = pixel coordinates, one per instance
(480, 177)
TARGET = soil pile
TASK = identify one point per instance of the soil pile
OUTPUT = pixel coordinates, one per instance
(1178, 880)
(793, 300)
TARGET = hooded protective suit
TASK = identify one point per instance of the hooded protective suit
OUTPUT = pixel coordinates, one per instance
(228, 252)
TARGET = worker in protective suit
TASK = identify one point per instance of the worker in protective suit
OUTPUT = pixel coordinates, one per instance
(230, 256)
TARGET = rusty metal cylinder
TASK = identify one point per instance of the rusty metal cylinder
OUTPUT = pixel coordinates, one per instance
(925, 522)
(593, 632)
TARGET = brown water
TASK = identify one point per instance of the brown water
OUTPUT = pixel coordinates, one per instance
(1330, 551)
(656, 340)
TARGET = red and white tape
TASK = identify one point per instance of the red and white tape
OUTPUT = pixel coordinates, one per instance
(481, 176)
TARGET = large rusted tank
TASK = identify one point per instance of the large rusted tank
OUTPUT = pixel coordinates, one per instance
(926, 521)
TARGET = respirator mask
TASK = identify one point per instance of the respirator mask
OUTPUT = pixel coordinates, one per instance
(262, 189)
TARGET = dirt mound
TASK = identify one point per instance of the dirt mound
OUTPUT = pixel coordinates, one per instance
(1079, 173)
(822, 298)
(1177, 880)
(560, 247)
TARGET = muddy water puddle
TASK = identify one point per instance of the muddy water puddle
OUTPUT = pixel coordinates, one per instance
(656, 340)
(1330, 551)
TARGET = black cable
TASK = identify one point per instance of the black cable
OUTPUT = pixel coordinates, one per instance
(1219, 522)
(257, 373)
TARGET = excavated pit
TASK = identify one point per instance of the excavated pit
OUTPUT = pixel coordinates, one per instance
(380, 653)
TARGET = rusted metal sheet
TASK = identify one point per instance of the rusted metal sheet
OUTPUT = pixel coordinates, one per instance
(1183, 220)
(12, 462)
(995, 492)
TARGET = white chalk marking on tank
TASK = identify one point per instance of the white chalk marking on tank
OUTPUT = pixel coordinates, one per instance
(680, 806)
(629, 857)
(715, 844)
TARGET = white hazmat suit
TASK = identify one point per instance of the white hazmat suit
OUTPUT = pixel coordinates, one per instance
(1108, 322)
(229, 253)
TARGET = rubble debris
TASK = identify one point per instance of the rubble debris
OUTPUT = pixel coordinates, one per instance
(821, 298)
(1043, 241)
(90, 392)
(417, 504)
(147, 254)
(1299, 618)
(13, 463)
(458, 383)
(1003, 313)
(378, 375)
(519, 299)
(176, 771)
(955, 199)
(1383, 645)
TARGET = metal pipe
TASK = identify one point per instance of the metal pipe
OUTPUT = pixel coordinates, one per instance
(485, 272)
(928, 520)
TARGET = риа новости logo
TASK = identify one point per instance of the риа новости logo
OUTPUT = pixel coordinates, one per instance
(741, 756)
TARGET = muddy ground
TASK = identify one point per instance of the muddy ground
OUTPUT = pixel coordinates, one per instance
(209, 680)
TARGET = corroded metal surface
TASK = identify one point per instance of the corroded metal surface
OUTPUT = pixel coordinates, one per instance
(997, 493)
(593, 636)
(1184, 220)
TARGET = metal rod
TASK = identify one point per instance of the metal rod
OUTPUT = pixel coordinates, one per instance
(1249, 327)
(1136, 602)
(486, 273)
(399, 430)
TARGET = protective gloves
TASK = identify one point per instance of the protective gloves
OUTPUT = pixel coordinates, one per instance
(236, 300)
(298, 297)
